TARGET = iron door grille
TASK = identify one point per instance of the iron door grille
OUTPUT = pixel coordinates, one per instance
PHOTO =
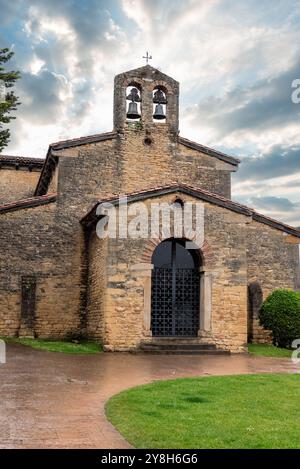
(175, 302)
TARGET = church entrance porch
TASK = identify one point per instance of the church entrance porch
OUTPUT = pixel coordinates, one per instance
(175, 295)
(168, 294)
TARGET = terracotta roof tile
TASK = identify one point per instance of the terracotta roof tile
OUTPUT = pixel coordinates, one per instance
(28, 203)
(209, 151)
(48, 168)
(83, 140)
(203, 194)
(10, 160)
(63, 144)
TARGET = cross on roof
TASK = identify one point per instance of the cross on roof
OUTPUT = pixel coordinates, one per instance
(147, 57)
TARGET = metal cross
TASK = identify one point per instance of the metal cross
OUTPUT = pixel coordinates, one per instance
(147, 57)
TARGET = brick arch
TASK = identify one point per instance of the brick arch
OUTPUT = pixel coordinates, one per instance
(165, 87)
(149, 249)
(205, 250)
(137, 83)
(207, 253)
(133, 82)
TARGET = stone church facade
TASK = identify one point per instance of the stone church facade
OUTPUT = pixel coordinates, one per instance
(59, 279)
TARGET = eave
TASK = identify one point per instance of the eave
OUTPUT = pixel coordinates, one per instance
(91, 217)
(209, 151)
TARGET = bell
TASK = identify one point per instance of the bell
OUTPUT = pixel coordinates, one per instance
(159, 97)
(159, 112)
(134, 95)
(133, 111)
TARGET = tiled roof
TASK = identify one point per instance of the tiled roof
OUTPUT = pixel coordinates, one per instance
(28, 203)
(17, 161)
(196, 192)
(74, 142)
(209, 151)
(51, 160)
(110, 135)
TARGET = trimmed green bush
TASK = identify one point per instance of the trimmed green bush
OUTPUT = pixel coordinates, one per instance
(280, 313)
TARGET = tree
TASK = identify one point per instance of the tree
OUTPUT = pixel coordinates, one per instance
(8, 100)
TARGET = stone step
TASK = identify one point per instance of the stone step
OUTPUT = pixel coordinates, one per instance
(174, 346)
(186, 352)
(182, 349)
(177, 340)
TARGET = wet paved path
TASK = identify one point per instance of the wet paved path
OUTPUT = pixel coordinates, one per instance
(52, 400)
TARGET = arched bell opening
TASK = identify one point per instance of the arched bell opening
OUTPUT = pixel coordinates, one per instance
(133, 102)
(175, 289)
(159, 105)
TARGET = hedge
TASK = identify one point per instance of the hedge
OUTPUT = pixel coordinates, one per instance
(280, 313)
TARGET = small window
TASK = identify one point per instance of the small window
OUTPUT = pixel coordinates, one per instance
(179, 202)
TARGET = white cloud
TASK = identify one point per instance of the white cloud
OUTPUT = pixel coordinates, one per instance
(227, 56)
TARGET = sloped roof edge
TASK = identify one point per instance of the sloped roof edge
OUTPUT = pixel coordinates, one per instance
(51, 160)
(202, 194)
(74, 142)
(209, 151)
(30, 202)
(147, 70)
(21, 161)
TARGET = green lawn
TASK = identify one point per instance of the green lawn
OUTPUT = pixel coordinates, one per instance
(244, 411)
(269, 350)
(81, 348)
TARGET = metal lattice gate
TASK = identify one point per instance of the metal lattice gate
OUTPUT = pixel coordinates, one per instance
(175, 302)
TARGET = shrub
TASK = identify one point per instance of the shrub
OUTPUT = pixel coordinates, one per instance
(280, 313)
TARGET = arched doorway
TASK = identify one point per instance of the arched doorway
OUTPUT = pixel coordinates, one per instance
(175, 298)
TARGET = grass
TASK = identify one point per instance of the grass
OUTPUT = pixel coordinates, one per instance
(265, 350)
(243, 411)
(81, 348)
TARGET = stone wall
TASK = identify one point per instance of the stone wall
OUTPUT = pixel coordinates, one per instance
(96, 292)
(127, 164)
(227, 265)
(49, 243)
(17, 184)
(164, 161)
(272, 263)
(32, 243)
(127, 283)
(148, 152)
(146, 79)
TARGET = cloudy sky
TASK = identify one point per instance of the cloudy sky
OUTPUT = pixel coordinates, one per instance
(235, 61)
